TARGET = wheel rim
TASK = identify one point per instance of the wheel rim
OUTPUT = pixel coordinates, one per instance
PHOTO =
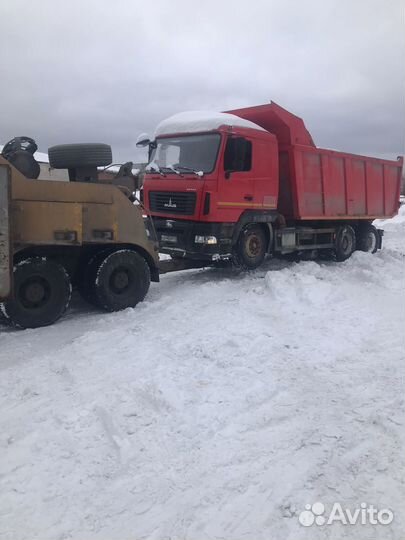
(34, 293)
(346, 243)
(253, 246)
(371, 241)
(120, 280)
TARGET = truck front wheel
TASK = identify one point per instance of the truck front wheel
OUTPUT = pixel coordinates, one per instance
(41, 294)
(345, 242)
(251, 247)
(122, 280)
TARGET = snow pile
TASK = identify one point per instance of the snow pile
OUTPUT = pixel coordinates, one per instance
(392, 224)
(394, 228)
(195, 121)
(218, 408)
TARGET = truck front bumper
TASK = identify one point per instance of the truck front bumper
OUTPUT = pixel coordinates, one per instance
(194, 239)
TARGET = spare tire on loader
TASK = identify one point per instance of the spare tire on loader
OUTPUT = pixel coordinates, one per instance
(67, 156)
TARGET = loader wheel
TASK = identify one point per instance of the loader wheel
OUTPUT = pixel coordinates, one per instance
(66, 156)
(251, 247)
(41, 294)
(122, 280)
(345, 243)
(87, 279)
(368, 239)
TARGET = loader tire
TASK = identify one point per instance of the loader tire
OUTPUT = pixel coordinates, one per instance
(368, 238)
(67, 156)
(345, 243)
(42, 292)
(122, 280)
(251, 248)
(87, 277)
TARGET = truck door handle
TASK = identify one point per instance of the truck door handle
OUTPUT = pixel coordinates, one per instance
(248, 197)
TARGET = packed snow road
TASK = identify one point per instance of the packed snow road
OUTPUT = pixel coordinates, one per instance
(217, 409)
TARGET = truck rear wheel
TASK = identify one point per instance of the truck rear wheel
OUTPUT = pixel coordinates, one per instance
(345, 242)
(122, 280)
(251, 247)
(42, 292)
(368, 238)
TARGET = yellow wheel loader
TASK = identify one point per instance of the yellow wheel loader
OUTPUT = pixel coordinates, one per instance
(55, 235)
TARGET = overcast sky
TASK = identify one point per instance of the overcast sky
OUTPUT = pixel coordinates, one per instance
(104, 71)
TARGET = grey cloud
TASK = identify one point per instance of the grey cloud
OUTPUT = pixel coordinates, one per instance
(106, 71)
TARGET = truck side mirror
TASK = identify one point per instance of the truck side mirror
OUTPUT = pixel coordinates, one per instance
(142, 140)
(228, 174)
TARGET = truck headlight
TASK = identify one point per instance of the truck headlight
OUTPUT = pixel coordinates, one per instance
(209, 240)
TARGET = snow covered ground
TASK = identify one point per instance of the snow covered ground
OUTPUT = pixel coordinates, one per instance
(215, 410)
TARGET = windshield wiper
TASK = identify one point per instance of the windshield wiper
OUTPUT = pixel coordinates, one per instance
(198, 173)
(172, 169)
(155, 168)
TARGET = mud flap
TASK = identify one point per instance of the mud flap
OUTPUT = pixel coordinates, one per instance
(5, 247)
(380, 237)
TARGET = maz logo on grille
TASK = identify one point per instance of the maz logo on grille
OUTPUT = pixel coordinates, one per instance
(170, 204)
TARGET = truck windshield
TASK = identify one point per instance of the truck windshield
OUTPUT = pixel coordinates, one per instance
(189, 153)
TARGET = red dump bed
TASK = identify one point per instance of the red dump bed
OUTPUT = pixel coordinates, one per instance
(325, 184)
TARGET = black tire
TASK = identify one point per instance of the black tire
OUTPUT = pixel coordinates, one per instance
(25, 163)
(368, 238)
(122, 280)
(67, 156)
(87, 278)
(251, 247)
(345, 243)
(42, 292)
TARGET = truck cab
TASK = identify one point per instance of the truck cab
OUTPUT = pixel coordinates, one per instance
(208, 177)
(251, 181)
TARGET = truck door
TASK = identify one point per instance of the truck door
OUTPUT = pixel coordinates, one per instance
(265, 173)
(236, 191)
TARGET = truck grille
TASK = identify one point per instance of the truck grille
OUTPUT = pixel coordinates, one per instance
(172, 202)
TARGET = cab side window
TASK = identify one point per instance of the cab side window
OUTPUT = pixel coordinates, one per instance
(238, 154)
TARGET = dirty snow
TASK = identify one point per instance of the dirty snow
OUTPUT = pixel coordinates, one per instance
(194, 121)
(215, 410)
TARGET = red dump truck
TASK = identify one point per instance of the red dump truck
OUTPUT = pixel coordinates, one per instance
(241, 184)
